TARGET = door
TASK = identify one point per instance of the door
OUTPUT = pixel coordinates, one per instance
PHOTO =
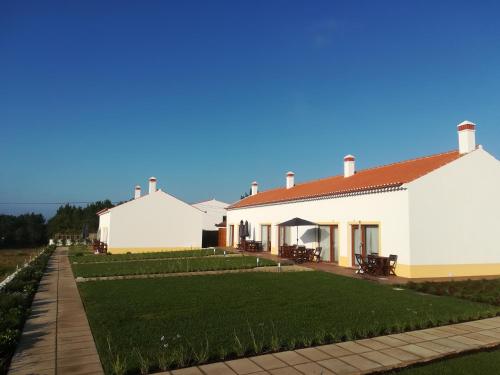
(328, 241)
(265, 235)
(365, 240)
(222, 237)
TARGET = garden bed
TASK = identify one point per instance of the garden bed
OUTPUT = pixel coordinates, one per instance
(176, 322)
(15, 300)
(146, 267)
(80, 256)
(486, 291)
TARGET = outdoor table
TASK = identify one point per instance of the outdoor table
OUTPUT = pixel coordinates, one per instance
(380, 265)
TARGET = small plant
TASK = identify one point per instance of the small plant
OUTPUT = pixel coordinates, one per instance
(118, 364)
(143, 362)
(238, 346)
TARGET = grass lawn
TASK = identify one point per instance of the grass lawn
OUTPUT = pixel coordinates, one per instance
(167, 266)
(481, 363)
(10, 258)
(205, 318)
(487, 291)
(92, 258)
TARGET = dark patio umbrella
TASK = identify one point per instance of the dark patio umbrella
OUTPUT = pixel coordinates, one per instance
(296, 222)
(242, 229)
(247, 231)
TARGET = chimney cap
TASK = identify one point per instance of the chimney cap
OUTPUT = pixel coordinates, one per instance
(152, 178)
(349, 158)
(466, 125)
(254, 183)
(137, 187)
(290, 174)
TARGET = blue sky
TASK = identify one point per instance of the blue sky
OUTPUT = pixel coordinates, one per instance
(96, 96)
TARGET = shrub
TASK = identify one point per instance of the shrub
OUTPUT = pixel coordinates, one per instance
(15, 300)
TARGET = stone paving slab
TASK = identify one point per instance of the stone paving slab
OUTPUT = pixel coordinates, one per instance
(365, 356)
(56, 338)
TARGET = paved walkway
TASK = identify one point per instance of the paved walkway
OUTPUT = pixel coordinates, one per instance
(292, 268)
(364, 356)
(56, 338)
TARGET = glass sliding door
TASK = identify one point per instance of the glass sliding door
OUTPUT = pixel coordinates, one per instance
(265, 236)
(285, 236)
(365, 240)
(231, 235)
(371, 239)
(328, 241)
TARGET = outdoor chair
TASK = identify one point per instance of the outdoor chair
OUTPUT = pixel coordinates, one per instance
(393, 260)
(317, 255)
(364, 267)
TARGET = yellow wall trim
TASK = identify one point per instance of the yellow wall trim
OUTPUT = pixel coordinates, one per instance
(124, 250)
(447, 270)
(344, 261)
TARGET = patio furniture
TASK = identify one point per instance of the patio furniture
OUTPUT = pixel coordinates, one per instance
(362, 264)
(317, 255)
(393, 260)
(379, 265)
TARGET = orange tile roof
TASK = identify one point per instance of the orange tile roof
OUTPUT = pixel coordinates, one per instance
(391, 175)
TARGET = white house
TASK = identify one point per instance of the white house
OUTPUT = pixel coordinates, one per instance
(438, 213)
(157, 221)
(215, 213)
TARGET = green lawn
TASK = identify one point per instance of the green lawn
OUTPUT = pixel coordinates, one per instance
(487, 291)
(205, 318)
(167, 266)
(92, 258)
(483, 363)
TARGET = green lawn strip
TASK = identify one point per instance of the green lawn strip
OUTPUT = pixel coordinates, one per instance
(168, 266)
(480, 363)
(210, 318)
(92, 258)
(486, 291)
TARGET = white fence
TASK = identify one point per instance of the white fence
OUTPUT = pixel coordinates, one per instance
(9, 278)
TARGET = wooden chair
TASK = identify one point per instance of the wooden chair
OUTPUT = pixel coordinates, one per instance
(393, 260)
(363, 264)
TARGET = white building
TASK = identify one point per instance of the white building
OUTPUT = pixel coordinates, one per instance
(215, 213)
(438, 213)
(157, 221)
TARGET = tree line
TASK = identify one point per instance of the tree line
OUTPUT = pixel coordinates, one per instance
(32, 230)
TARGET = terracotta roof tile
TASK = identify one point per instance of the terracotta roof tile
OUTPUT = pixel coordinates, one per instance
(390, 175)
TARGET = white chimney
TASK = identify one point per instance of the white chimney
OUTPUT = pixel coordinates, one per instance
(290, 180)
(349, 165)
(466, 137)
(152, 185)
(137, 193)
(255, 187)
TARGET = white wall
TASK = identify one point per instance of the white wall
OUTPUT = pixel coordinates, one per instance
(155, 220)
(214, 212)
(455, 213)
(388, 209)
(104, 221)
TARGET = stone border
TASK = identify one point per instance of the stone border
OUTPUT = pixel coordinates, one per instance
(293, 268)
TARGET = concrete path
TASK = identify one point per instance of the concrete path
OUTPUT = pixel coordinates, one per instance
(293, 268)
(364, 356)
(56, 338)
